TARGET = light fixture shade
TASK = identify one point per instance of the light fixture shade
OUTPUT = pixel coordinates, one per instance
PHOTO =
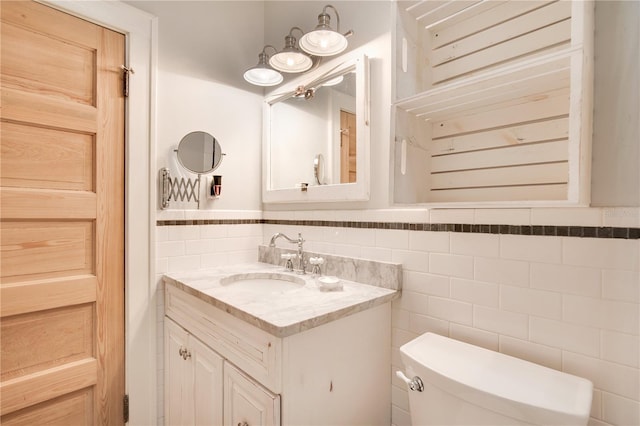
(323, 40)
(262, 74)
(291, 59)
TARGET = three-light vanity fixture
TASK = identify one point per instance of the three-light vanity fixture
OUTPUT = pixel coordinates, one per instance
(322, 41)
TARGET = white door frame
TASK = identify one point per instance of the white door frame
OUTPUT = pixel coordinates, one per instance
(141, 31)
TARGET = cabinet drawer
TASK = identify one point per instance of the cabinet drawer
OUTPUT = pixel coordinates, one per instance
(255, 351)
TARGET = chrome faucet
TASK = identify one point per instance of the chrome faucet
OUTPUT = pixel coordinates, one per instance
(300, 253)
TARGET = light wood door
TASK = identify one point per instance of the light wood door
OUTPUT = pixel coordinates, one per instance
(347, 147)
(62, 219)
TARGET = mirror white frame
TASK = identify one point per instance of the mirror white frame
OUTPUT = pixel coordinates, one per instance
(356, 191)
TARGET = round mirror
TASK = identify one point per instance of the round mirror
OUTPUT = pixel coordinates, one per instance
(199, 152)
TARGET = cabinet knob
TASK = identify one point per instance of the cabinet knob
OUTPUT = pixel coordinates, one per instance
(184, 353)
(243, 424)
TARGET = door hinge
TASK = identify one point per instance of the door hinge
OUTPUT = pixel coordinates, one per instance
(125, 408)
(126, 71)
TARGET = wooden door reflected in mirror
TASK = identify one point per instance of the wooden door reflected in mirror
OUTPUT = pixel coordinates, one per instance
(347, 147)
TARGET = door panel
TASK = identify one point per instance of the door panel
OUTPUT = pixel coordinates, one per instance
(62, 218)
(72, 409)
(33, 62)
(33, 343)
(207, 384)
(177, 376)
(247, 402)
(27, 150)
(36, 249)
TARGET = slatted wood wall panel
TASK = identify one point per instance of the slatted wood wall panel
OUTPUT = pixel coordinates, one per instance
(501, 153)
(499, 108)
(480, 40)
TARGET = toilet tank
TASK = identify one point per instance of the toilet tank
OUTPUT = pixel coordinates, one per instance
(466, 384)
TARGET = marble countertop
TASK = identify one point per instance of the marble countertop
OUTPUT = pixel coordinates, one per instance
(283, 312)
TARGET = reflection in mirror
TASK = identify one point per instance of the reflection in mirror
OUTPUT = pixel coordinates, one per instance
(316, 120)
(199, 152)
(318, 169)
(316, 136)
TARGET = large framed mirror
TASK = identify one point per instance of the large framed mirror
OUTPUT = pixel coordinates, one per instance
(316, 136)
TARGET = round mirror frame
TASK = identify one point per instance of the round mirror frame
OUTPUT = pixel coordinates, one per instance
(186, 146)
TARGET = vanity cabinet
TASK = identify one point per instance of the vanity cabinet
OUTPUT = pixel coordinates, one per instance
(493, 102)
(334, 373)
(201, 388)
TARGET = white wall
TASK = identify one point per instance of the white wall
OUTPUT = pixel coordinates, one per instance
(616, 126)
(187, 104)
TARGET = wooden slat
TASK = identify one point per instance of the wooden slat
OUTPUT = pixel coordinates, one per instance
(529, 43)
(523, 79)
(72, 409)
(446, 34)
(460, 18)
(42, 204)
(515, 155)
(27, 151)
(31, 296)
(423, 7)
(517, 135)
(52, 112)
(507, 193)
(39, 341)
(517, 175)
(445, 11)
(551, 85)
(546, 107)
(516, 27)
(32, 389)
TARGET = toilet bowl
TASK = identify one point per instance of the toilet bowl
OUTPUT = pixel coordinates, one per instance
(455, 383)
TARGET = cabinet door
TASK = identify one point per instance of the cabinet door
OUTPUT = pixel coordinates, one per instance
(246, 403)
(193, 380)
(177, 386)
(207, 383)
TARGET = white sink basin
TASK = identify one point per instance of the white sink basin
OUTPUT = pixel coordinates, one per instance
(262, 283)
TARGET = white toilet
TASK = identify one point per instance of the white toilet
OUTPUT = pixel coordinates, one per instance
(455, 383)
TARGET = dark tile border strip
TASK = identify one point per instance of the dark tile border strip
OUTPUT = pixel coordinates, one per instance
(549, 230)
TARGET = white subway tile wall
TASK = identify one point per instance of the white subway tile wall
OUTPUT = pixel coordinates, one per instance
(568, 303)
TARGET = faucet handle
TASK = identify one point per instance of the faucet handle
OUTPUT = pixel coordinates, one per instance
(316, 262)
(288, 264)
